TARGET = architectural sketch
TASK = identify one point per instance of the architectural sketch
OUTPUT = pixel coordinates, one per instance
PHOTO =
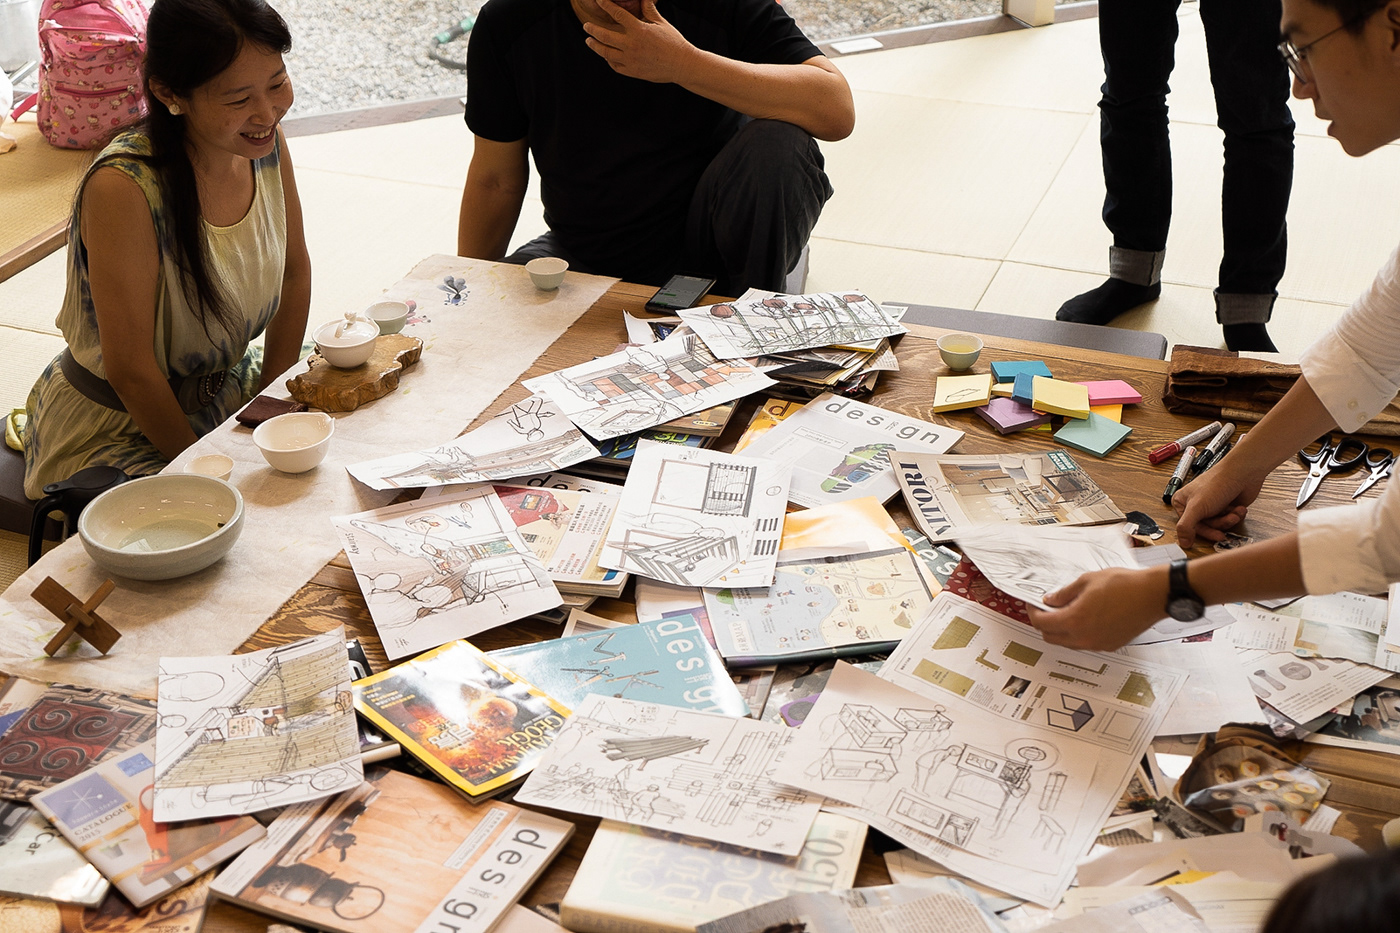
(839, 448)
(642, 387)
(442, 570)
(764, 324)
(253, 731)
(874, 596)
(1029, 562)
(696, 517)
(715, 777)
(532, 436)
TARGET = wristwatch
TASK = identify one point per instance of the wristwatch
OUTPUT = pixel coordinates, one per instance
(1183, 603)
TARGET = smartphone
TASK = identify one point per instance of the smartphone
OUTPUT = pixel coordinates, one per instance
(681, 291)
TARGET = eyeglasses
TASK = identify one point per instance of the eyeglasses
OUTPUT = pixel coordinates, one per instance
(1293, 55)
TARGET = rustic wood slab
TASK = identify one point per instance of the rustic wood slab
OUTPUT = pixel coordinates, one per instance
(329, 388)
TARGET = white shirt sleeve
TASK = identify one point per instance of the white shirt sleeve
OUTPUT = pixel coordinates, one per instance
(1355, 367)
(1355, 371)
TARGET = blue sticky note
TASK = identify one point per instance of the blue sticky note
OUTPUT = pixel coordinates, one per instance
(1008, 370)
(1096, 434)
(1023, 388)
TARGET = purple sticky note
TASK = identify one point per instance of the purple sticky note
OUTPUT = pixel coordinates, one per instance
(1007, 415)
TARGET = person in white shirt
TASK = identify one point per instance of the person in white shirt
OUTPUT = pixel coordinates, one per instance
(1345, 58)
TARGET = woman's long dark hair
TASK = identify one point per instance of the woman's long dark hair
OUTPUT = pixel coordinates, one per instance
(188, 44)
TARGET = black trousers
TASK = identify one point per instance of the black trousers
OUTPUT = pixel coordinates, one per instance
(1251, 86)
(752, 212)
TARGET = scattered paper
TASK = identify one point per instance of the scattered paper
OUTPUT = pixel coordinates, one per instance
(673, 769)
(247, 732)
(443, 570)
(1305, 688)
(761, 324)
(642, 387)
(937, 905)
(1339, 625)
(1030, 562)
(1217, 691)
(1154, 912)
(532, 436)
(698, 517)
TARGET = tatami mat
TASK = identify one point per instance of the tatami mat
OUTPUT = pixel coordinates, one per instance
(31, 298)
(14, 554)
(899, 274)
(943, 176)
(428, 152)
(25, 354)
(37, 183)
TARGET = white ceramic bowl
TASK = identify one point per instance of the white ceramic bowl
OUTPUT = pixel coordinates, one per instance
(959, 351)
(391, 316)
(352, 348)
(295, 442)
(162, 527)
(547, 272)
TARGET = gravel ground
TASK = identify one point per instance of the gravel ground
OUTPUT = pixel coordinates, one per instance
(342, 59)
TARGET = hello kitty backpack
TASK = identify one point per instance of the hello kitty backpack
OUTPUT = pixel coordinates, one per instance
(90, 69)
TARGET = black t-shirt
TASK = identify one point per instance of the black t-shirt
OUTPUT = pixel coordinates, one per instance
(618, 157)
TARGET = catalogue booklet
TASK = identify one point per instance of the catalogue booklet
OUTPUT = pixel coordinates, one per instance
(397, 854)
(565, 529)
(37, 862)
(473, 722)
(948, 493)
(107, 813)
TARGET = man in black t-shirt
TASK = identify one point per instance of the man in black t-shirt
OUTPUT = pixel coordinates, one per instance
(639, 124)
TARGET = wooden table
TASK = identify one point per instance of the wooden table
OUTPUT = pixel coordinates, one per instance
(1366, 785)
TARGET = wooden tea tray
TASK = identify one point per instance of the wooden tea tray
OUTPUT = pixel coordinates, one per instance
(325, 387)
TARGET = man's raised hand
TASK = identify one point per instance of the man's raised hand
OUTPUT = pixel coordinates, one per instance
(646, 47)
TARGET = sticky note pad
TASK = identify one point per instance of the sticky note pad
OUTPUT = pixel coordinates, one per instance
(1095, 435)
(1111, 392)
(1023, 388)
(1007, 415)
(954, 392)
(1111, 412)
(1007, 371)
(1003, 389)
(1059, 398)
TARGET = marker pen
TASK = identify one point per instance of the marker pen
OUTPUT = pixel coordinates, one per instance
(1179, 474)
(1214, 448)
(1176, 446)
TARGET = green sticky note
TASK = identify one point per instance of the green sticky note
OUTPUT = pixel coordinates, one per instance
(1096, 434)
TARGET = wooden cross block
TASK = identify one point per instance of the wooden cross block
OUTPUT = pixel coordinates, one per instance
(78, 617)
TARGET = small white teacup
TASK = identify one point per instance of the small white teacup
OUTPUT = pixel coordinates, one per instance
(959, 351)
(547, 272)
(215, 465)
(390, 315)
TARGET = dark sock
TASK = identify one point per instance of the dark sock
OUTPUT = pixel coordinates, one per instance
(1248, 337)
(1106, 302)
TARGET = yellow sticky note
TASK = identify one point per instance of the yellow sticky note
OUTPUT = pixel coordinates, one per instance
(1059, 398)
(1003, 389)
(955, 392)
(1111, 412)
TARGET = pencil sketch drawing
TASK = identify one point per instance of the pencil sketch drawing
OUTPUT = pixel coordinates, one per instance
(706, 775)
(766, 324)
(248, 732)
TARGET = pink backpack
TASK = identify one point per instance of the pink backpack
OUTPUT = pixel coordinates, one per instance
(90, 71)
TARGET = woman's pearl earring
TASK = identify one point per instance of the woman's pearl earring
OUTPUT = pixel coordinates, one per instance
(174, 110)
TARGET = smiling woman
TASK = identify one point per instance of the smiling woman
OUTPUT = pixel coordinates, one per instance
(185, 244)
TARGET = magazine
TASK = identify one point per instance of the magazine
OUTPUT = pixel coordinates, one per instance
(839, 448)
(395, 855)
(473, 722)
(565, 529)
(947, 493)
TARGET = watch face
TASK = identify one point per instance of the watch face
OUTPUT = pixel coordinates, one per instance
(1185, 609)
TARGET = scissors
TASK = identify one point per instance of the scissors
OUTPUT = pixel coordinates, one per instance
(1327, 460)
(1379, 461)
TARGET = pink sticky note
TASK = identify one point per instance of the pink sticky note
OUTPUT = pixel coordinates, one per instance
(1112, 392)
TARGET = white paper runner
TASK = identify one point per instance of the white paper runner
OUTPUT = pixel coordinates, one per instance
(480, 333)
